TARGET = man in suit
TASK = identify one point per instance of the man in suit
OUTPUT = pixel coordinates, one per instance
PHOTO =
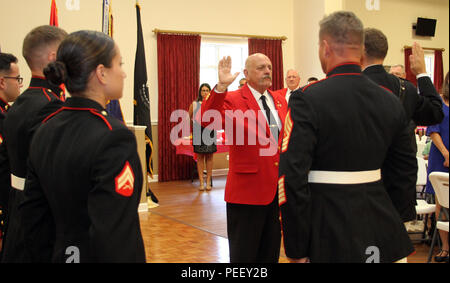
(253, 119)
(345, 146)
(422, 107)
(292, 82)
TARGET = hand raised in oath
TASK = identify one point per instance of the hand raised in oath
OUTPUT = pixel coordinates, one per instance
(226, 78)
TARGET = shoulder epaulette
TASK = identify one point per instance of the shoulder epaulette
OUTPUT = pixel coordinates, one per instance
(93, 111)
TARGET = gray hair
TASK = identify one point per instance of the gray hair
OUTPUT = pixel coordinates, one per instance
(343, 27)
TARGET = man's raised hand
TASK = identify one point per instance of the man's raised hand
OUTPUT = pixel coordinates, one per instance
(417, 60)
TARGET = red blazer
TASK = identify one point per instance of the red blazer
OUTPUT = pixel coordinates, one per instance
(252, 177)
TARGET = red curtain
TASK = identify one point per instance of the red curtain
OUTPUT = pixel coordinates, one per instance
(274, 50)
(178, 82)
(438, 70)
(409, 75)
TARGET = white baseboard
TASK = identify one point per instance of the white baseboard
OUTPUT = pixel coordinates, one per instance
(216, 173)
(154, 180)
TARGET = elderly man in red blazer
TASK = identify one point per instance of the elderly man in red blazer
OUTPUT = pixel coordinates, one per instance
(253, 118)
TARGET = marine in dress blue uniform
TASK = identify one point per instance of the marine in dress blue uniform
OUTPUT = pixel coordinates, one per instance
(346, 148)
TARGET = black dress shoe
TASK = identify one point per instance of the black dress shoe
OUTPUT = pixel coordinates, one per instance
(443, 256)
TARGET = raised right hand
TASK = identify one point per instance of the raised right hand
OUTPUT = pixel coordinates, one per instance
(225, 76)
(417, 60)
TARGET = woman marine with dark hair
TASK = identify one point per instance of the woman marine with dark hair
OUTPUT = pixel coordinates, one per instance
(84, 172)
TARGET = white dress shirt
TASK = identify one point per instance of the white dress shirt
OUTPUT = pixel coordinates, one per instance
(270, 103)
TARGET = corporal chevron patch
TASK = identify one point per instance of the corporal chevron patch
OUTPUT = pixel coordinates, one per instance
(125, 181)
(281, 191)
(288, 125)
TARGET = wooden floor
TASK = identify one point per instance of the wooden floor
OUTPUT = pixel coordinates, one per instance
(189, 226)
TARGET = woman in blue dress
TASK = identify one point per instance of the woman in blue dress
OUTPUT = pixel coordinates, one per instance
(438, 161)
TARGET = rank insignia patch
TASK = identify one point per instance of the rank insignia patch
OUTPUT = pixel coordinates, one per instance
(288, 125)
(125, 181)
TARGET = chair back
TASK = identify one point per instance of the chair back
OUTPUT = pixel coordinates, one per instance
(439, 180)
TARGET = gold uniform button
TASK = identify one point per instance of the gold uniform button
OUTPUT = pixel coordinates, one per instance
(276, 164)
(104, 113)
(49, 90)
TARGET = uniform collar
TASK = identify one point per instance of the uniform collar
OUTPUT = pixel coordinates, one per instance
(41, 82)
(372, 69)
(83, 103)
(3, 106)
(345, 68)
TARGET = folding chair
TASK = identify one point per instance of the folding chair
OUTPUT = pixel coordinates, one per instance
(439, 180)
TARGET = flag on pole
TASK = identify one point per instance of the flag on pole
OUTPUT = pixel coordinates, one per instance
(141, 94)
(54, 14)
(141, 98)
(113, 107)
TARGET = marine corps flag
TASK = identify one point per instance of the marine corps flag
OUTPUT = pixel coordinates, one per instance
(113, 107)
(54, 14)
(141, 98)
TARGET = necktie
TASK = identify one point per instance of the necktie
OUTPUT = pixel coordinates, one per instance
(272, 121)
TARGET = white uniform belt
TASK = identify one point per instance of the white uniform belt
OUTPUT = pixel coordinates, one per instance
(17, 183)
(344, 178)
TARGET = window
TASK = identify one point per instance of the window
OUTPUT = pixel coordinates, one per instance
(429, 63)
(213, 50)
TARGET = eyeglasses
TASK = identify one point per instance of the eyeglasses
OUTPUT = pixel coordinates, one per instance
(19, 79)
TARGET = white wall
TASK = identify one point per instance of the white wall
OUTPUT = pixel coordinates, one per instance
(268, 17)
(395, 19)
